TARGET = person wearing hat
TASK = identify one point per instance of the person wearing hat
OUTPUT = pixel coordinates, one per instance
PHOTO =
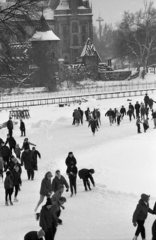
(10, 126)
(59, 179)
(140, 214)
(34, 235)
(70, 158)
(85, 175)
(72, 174)
(46, 188)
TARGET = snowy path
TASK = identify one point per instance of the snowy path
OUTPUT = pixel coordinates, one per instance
(124, 162)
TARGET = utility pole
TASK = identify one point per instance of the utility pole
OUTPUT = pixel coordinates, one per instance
(100, 27)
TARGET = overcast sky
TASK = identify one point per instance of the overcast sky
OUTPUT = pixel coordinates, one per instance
(112, 10)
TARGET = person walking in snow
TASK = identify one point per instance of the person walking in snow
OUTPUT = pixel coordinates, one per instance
(85, 175)
(18, 151)
(140, 215)
(87, 114)
(70, 158)
(16, 172)
(138, 124)
(36, 154)
(81, 113)
(35, 235)
(131, 107)
(59, 179)
(10, 126)
(110, 114)
(118, 117)
(8, 186)
(26, 144)
(22, 128)
(11, 141)
(137, 109)
(93, 125)
(143, 111)
(122, 111)
(45, 189)
(27, 159)
(146, 100)
(72, 174)
(5, 153)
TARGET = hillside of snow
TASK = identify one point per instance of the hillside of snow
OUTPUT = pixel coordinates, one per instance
(124, 164)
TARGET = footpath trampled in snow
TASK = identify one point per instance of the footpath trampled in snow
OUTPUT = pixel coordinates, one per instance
(124, 164)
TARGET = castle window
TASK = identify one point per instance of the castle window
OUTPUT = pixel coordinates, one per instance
(75, 40)
(84, 30)
(75, 28)
(83, 39)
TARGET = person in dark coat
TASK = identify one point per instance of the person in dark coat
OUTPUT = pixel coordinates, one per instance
(34, 235)
(26, 144)
(59, 179)
(87, 114)
(28, 160)
(93, 125)
(81, 113)
(12, 143)
(146, 100)
(5, 153)
(48, 222)
(137, 109)
(110, 114)
(70, 159)
(123, 111)
(56, 196)
(10, 127)
(130, 113)
(8, 186)
(85, 175)
(22, 128)
(145, 124)
(138, 124)
(45, 189)
(72, 174)
(36, 154)
(131, 107)
(16, 172)
(140, 215)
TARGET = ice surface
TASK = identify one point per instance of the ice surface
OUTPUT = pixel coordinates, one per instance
(124, 164)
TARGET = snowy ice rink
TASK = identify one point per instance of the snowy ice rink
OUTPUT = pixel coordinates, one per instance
(124, 163)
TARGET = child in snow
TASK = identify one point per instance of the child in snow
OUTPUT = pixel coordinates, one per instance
(145, 124)
(140, 215)
(8, 185)
(138, 124)
(1, 167)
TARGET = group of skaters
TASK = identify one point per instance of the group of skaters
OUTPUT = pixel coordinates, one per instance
(92, 117)
(52, 190)
(139, 111)
(12, 158)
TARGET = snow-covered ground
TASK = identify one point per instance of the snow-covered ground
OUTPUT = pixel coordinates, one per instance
(124, 164)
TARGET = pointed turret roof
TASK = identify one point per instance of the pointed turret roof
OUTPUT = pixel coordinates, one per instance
(44, 36)
(90, 50)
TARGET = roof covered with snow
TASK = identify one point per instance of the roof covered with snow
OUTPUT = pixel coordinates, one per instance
(64, 5)
(44, 36)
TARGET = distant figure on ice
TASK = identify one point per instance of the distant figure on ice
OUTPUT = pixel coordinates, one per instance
(143, 111)
(110, 114)
(8, 186)
(10, 126)
(35, 154)
(85, 175)
(131, 107)
(70, 159)
(81, 113)
(76, 117)
(87, 114)
(72, 174)
(93, 125)
(34, 235)
(140, 215)
(22, 128)
(138, 124)
(45, 189)
(146, 100)
(137, 109)
(59, 179)
(27, 159)
(145, 124)
(123, 112)
(5, 152)
(118, 117)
